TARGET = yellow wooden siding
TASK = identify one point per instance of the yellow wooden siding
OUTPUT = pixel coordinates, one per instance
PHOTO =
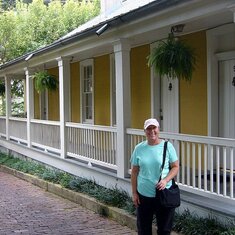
(140, 86)
(53, 99)
(102, 90)
(75, 91)
(193, 95)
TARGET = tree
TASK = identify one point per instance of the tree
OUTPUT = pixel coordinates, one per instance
(26, 25)
(30, 26)
(10, 4)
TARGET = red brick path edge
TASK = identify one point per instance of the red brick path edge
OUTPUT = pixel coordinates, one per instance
(118, 215)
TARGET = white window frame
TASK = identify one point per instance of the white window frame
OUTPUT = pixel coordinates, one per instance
(83, 64)
(43, 104)
(113, 90)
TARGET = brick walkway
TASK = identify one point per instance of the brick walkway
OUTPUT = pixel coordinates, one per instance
(28, 209)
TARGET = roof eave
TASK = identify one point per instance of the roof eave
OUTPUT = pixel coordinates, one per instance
(138, 13)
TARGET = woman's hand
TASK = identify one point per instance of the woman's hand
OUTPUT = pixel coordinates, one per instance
(135, 199)
(173, 172)
(161, 184)
(134, 174)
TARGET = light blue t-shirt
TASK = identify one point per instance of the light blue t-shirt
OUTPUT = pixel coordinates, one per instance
(149, 160)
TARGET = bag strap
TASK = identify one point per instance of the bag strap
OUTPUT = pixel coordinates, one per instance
(164, 158)
(164, 155)
(163, 162)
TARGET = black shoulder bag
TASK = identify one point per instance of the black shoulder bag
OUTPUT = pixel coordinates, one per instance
(168, 197)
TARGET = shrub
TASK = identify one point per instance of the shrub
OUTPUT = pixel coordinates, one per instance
(190, 224)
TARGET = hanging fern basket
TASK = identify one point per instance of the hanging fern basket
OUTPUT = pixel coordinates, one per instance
(44, 80)
(173, 58)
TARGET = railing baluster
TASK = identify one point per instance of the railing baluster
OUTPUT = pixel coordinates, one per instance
(177, 143)
(199, 166)
(211, 169)
(183, 162)
(231, 172)
(217, 170)
(193, 165)
(224, 171)
(205, 166)
(188, 163)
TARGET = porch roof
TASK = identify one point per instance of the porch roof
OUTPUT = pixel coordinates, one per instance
(120, 16)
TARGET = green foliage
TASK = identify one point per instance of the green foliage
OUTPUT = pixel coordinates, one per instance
(10, 162)
(51, 175)
(3, 158)
(173, 58)
(65, 179)
(43, 80)
(29, 26)
(17, 87)
(26, 25)
(190, 224)
(7, 4)
(21, 165)
(114, 197)
(2, 88)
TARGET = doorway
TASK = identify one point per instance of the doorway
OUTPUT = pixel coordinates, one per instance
(169, 105)
(227, 101)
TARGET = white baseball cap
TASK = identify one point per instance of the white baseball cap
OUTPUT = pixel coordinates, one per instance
(149, 122)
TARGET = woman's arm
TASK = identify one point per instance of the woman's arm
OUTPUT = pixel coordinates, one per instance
(134, 174)
(172, 173)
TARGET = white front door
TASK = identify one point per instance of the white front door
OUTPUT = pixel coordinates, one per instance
(227, 101)
(169, 105)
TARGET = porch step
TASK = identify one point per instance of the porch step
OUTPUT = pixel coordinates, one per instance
(223, 210)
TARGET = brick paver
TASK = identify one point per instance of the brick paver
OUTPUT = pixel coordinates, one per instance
(28, 209)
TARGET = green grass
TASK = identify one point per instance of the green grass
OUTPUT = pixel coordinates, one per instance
(185, 223)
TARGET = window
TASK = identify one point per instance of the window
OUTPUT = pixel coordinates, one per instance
(86, 69)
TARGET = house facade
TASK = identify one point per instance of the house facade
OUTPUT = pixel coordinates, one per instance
(91, 123)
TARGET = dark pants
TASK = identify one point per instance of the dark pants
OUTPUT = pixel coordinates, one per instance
(145, 211)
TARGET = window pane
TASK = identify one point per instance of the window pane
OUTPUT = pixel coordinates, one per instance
(87, 97)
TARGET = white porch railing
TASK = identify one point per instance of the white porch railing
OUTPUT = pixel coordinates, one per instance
(2, 125)
(45, 135)
(94, 144)
(206, 163)
(18, 129)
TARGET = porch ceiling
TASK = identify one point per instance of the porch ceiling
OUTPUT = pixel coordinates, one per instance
(196, 15)
(148, 30)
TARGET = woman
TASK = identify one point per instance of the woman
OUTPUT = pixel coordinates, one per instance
(146, 161)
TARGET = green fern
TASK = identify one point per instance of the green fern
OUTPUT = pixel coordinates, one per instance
(44, 80)
(173, 58)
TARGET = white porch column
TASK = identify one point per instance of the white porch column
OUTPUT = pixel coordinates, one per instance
(64, 88)
(123, 105)
(29, 102)
(232, 8)
(8, 103)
